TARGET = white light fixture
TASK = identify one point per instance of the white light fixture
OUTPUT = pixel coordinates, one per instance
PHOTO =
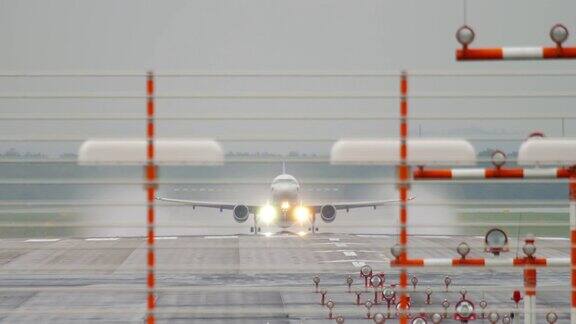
(464, 311)
(559, 34)
(375, 281)
(465, 35)
(396, 250)
(551, 317)
(436, 318)
(366, 270)
(389, 293)
(493, 317)
(496, 241)
(379, 318)
(463, 249)
(498, 158)
(529, 249)
(418, 320)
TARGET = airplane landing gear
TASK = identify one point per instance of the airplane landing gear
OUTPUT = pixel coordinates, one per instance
(255, 229)
(313, 228)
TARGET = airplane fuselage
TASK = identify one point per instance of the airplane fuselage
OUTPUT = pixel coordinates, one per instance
(285, 191)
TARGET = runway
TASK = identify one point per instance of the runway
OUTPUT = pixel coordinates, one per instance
(241, 278)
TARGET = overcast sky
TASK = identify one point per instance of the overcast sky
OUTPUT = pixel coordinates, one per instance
(275, 36)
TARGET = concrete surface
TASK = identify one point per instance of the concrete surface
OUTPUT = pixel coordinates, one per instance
(242, 278)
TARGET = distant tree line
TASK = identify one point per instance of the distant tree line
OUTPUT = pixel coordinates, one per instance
(291, 154)
(13, 153)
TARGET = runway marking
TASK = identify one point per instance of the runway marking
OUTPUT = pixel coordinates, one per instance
(221, 237)
(166, 238)
(342, 251)
(349, 253)
(340, 244)
(358, 264)
(553, 238)
(97, 239)
(434, 236)
(43, 240)
(383, 260)
(334, 239)
(373, 235)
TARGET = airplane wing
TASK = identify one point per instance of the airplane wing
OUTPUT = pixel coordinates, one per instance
(357, 204)
(207, 204)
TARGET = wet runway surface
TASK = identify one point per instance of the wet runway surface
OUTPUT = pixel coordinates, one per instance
(246, 279)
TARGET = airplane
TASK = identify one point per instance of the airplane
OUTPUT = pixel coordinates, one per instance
(285, 209)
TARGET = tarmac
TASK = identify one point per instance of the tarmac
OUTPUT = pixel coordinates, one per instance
(248, 279)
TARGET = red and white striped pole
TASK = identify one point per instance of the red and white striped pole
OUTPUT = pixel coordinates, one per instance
(403, 190)
(573, 242)
(530, 277)
(150, 171)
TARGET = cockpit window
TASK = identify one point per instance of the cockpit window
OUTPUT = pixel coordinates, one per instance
(284, 181)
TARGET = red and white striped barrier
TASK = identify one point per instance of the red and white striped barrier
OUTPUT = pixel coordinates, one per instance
(515, 53)
(558, 33)
(491, 173)
(483, 262)
(529, 274)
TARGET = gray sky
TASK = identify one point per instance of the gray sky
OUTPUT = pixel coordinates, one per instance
(275, 36)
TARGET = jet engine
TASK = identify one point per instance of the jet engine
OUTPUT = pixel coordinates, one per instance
(241, 213)
(328, 213)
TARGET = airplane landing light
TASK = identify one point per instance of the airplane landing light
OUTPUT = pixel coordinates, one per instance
(302, 215)
(267, 214)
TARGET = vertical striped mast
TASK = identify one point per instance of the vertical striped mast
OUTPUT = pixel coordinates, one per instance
(403, 190)
(150, 170)
(573, 242)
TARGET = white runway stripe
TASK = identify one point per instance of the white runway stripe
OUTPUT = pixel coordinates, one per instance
(166, 238)
(340, 244)
(97, 239)
(434, 236)
(43, 240)
(221, 237)
(358, 264)
(383, 260)
(553, 238)
(334, 239)
(342, 251)
(349, 253)
(373, 235)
